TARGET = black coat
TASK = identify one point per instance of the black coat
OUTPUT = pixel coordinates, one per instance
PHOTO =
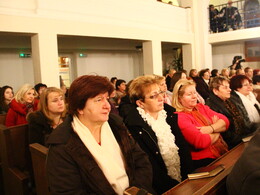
(231, 136)
(245, 176)
(202, 87)
(72, 170)
(39, 128)
(147, 140)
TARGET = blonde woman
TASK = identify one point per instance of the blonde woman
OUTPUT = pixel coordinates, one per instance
(51, 113)
(200, 126)
(23, 103)
(225, 72)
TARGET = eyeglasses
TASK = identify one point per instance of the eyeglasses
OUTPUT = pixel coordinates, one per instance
(225, 86)
(156, 95)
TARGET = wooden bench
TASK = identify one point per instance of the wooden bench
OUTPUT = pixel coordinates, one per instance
(2, 119)
(211, 185)
(39, 155)
(16, 161)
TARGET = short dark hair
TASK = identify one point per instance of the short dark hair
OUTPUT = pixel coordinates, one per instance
(214, 72)
(256, 79)
(119, 82)
(85, 87)
(216, 82)
(112, 79)
(202, 72)
(236, 81)
(38, 86)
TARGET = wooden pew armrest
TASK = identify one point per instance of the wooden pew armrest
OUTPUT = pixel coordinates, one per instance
(19, 174)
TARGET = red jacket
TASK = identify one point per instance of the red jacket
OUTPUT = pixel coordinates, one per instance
(199, 143)
(17, 113)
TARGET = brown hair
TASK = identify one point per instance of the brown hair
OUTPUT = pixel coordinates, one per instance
(217, 81)
(236, 81)
(85, 87)
(43, 104)
(136, 88)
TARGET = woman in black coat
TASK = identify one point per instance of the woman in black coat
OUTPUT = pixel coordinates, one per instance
(51, 113)
(153, 125)
(92, 151)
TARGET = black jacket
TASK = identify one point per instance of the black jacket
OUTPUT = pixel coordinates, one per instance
(39, 128)
(245, 176)
(231, 136)
(72, 170)
(202, 87)
(147, 140)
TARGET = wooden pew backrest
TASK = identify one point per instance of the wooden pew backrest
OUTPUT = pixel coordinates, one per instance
(15, 146)
(39, 155)
(16, 159)
(2, 118)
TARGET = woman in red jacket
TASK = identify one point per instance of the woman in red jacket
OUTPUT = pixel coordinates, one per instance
(200, 126)
(22, 104)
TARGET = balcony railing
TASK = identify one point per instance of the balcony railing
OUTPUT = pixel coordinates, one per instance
(238, 15)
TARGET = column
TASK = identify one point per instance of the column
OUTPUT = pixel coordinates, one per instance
(201, 50)
(152, 57)
(45, 59)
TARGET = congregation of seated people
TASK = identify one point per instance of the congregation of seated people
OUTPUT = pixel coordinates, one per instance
(111, 135)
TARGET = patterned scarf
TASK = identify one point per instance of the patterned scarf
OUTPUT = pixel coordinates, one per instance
(236, 116)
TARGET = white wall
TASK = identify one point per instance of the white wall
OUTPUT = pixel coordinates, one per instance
(15, 71)
(223, 55)
(119, 64)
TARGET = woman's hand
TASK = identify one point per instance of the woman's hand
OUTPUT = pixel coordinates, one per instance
(215, 118)
(205, 129)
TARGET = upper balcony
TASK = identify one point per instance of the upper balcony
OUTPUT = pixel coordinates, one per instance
(238, 21)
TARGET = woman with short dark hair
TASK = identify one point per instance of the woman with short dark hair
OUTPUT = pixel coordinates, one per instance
(242, 95)
(91, 152)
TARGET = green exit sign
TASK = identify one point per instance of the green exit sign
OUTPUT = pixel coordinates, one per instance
(24, 55)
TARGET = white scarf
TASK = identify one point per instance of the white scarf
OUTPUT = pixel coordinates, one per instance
(107, 155)
(166, 142)
(248, 102)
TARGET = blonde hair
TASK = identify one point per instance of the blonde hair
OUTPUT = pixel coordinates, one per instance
(22, 91)
(159, 78)
(43, 104)
(178, 92)
(137, 86)
(223, 71)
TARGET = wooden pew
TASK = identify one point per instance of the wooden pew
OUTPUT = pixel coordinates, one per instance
(211, 185)
(39, 155)
(16, 162)
(2, 119)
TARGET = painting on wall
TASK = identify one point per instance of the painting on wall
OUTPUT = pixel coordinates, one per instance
(252, 51)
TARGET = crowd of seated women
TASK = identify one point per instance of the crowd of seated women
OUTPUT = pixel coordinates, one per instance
(153, 141)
